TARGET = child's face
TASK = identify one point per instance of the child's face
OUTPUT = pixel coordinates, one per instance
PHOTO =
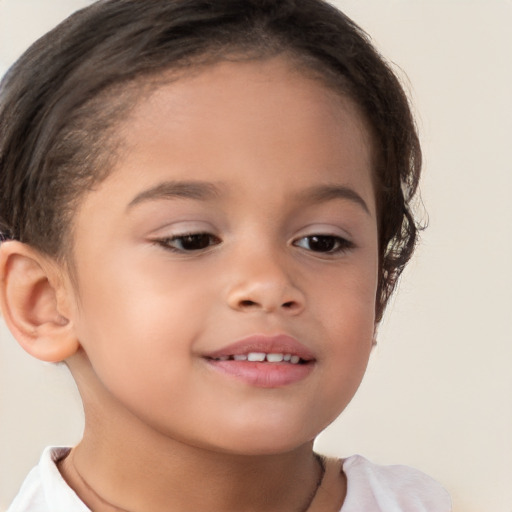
(254, 161)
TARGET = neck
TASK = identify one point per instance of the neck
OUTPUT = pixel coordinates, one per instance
(114, 477)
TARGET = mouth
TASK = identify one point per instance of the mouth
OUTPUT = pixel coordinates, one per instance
(262, 357)
(264, 361)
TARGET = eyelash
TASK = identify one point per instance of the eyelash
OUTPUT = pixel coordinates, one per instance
(332, 244)
(339, 244)
(166, 243)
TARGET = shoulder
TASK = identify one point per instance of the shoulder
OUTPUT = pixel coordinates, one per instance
(391, 488)
(45, 490)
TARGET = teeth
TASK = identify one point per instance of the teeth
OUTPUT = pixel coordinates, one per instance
(270, 358)
(256, 356)
(260, 357)
(275, 358)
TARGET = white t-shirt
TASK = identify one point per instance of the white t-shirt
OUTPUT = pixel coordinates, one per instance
(370, 488)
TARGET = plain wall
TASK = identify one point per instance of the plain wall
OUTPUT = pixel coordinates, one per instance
(438, 392)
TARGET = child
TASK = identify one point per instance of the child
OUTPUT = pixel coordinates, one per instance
(205, 207)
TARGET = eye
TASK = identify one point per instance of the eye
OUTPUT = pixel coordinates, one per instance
(190, 242)
(329, 244)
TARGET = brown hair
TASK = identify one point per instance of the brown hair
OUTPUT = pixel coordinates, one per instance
(59, 104)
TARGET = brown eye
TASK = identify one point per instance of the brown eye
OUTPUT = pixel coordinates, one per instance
(190, 242)
(324, 243)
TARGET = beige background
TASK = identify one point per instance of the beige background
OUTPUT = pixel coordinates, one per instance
(438, 393)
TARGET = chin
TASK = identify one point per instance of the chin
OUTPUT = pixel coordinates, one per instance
(258, 449)
(263, 441)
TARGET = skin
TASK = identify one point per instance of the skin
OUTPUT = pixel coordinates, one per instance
(144, 313)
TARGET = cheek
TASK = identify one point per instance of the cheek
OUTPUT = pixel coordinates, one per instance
(135, 347)
(115, 311)
(345, 300)
(347, 312)
(348, 359)
(139, 316)
(350, 340)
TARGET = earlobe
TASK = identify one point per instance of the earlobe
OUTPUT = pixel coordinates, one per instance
(29, 291)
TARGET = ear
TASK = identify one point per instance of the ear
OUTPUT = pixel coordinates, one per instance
(32, 296)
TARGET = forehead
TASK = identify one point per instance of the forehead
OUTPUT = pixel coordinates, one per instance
(219, 111)
(250, 126)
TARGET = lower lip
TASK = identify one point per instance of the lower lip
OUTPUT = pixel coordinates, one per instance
(264, 375)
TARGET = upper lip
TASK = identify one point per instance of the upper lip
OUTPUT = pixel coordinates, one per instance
(269, 344)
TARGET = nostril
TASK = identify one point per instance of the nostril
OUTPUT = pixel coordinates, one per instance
(289, 305)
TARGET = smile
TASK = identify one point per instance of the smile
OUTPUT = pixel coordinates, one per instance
(264, 361)
(262, 357)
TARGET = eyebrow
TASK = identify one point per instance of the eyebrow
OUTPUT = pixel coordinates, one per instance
(198, 190)
(323, 193)
(203, 190)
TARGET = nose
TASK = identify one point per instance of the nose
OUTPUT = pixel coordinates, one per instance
(264, 284)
